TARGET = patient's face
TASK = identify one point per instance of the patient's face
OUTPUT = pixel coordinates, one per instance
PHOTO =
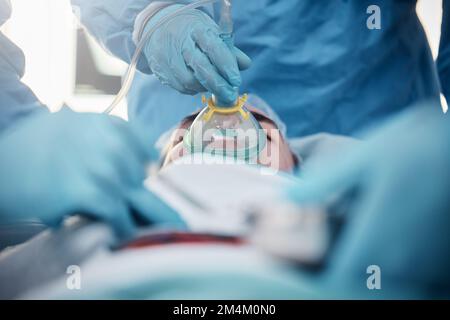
(276, 154)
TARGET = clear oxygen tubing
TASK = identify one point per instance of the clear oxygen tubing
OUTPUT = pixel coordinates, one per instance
(226, 25)
(226, 29)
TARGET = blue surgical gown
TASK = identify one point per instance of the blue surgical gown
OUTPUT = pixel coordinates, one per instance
(315, 62)
(16, 99)
(444, 51)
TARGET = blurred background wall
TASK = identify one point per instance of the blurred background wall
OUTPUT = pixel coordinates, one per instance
(60, 57)
(64, 65)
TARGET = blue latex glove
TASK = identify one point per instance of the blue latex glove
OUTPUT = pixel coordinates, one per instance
(188, 54)
(399, 219)
(65, 163)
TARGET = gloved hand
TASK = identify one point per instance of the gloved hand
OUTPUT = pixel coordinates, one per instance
(188, 54)
(399, 218)
(53, 165)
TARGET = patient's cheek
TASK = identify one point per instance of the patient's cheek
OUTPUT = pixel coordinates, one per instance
(276, 154)
(269, 157)
(176, 153)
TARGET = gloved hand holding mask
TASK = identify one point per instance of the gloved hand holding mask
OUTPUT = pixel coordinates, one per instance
(188, 54)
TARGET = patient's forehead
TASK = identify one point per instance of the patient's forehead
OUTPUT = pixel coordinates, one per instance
(258, 114)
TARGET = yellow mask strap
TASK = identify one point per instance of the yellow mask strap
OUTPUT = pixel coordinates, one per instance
(238, 107)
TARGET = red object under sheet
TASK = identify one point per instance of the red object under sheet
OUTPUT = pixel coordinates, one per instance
(170, 238)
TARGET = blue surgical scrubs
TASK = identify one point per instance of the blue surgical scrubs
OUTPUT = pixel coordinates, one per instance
(16, 99)
(315, 62)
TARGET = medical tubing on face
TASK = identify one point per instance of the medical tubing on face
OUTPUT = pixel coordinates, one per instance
(131, 70)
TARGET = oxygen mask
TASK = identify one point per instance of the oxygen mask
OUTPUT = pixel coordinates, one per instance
(226, 131)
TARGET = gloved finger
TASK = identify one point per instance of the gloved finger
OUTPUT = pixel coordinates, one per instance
(107, 206)
(117, 170)
(119, 133)
(110, 155)
(157, 67)
(208, 76)
(165, 70)
(118, 158)
(148, 138)
(185, 77)
(113, 157)
(176, 83)
(326, 180)
(121, 221)
(153, 210)
(243, 60)
(219, 55)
